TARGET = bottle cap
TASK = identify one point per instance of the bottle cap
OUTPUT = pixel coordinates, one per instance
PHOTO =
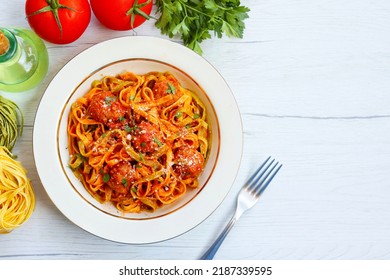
(4, 43)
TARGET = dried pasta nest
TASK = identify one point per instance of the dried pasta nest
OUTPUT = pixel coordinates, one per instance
(17, 198)
(11, 123)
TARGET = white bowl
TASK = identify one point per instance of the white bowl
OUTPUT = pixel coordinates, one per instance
(139, 55)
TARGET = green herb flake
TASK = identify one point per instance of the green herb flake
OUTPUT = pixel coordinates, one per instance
(109, 99)
(196, 116)
(106, 177)
(143, 144)
(171, 89)
(134, 189)
(124, 182)
(178, 114)
(127, 128)
(121, 118)
(158, 142)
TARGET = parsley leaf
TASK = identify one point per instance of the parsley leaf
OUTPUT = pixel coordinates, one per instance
(106, 177)
(109, 99)
(171, 89)
(178, 114)
(127, 128)
(193, 20)
(158, 142)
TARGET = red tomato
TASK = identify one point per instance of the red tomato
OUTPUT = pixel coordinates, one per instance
(122, 14)
(58, 21)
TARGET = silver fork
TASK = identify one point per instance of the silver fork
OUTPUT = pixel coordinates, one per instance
(247, 198)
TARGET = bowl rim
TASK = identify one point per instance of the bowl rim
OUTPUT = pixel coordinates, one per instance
(231, 143)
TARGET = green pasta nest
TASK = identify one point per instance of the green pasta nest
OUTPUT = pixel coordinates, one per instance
(11, 123)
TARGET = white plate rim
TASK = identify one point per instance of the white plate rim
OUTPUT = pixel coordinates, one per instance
(135, 231)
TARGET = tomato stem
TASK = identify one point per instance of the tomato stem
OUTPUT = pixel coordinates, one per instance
(53, 6)
(136, 10)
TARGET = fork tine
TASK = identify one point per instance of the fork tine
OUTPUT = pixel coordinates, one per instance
(252, 178)
(265, 182)
(251, 185)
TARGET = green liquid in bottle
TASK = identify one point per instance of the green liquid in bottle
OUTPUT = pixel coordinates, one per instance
(25, 63)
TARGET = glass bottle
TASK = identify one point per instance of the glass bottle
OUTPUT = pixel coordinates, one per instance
(23, 59)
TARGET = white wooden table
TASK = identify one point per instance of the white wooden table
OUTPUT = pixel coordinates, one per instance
(312, 81)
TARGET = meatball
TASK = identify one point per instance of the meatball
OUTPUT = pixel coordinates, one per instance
(188, 162)
(106, 108)
(147, 137)
(122, 176)
(165, 85)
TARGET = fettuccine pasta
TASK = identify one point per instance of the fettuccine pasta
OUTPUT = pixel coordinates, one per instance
(138, 141)
(17, 198)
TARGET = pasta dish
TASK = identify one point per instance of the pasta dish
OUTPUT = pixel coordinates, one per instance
(138, 141)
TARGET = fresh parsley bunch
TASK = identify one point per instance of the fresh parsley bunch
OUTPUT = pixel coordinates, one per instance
(193, 20)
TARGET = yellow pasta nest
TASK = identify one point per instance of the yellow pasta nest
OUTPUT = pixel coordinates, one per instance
(17, 198)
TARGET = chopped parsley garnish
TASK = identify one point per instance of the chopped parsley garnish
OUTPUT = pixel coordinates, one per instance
(121, 118)
(109, 99)
(171, 89)
(124, 182)
(158, 142)
(196, 116)
(106, 178)
(127, 128)
(143, 144)
(178, 114)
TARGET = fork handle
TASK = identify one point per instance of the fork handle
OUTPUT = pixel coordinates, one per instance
(209, 254)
